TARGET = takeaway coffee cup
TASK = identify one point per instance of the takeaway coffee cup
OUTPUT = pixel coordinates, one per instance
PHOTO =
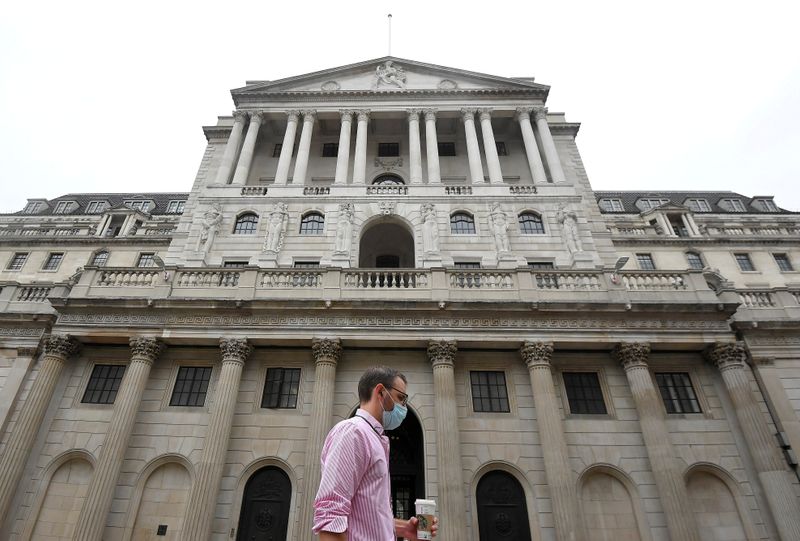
(426, 510)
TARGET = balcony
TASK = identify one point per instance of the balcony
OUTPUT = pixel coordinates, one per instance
(768, 304)
(29, 298)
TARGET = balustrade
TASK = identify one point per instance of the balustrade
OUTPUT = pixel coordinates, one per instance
(458, 190)
(653, 281)
(33, 293)
(127, 277)
(757, 299)
(208, 278)
(317, 190)
(254, 190)
(286, 279)
(567, 281)
(522, 190)
(386, 279)
(387, 189)
(481, 280)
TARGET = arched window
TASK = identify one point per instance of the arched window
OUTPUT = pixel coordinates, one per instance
(462, 223)
(531, 223)
(388, 180)
(695, 260)
(312, 223)
(246, 224)
(100, 259)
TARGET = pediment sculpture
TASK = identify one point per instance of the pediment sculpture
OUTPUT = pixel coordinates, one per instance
(387, 74)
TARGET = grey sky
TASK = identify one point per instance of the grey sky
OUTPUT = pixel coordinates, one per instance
(97, 96)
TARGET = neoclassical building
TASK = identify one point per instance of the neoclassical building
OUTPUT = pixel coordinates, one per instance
(581, 365)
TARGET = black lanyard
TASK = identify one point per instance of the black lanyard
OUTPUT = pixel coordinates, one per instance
(370, 425)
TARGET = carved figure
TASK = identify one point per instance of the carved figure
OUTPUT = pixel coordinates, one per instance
(430, 229)
(569, 230)
(391, 75)
(500, 228)
(276, 228)
(344, 229)
(211, 222)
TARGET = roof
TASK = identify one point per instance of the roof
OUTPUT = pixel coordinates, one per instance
(629, 198)
(161, 200)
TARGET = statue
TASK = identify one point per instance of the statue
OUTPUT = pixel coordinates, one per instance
(344, 229)
(500, 228)
(569, 230)
(276, 227)
(211, 222)
(390, 75)
(430, 228)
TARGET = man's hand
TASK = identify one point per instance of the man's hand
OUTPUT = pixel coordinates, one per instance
(407, 529)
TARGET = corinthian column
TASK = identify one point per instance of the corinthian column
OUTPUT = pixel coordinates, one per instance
(560, 479)
(414, 149)
(432, 147)
(57, 349)
(772, 472)
(548, 145)
(92, 519)
(473, 150)
(303, 149)
(246, 155)
(343, 154)
(203, 494)
(442, 355)
(224, 171)
(490, 147)
(360, 158)
(667, 471)
(285, 160)
(531, 149)
(327, 353)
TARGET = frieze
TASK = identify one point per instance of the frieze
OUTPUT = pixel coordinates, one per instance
(10, 331)
(775, 340)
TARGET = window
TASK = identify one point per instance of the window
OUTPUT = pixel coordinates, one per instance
(783, 262)
(388, 180)
(612, 205)
(62, 207)
(276, 150)
(467, 265)
(32, 207)
(17, 261)
(735, 205)
(745, 263)
(646, 261)
(447, 149)
(330, 150)
(95, 207)
(531, 224)
(584, 393)
(53, 261)
(462, 223)
(103, 384)
(146, 260)
(769, 205)
(678, 226)
(695, 260)
(176, 207)
(100, 259)
(245, 224)
(677, 392)
(312, 223)
(541, 265)
(698, 205)
(138, 204)
(306, 264)
(191, 386)
(489, 391)
(388, 150)
(234, 264)
(648, 204)
(281, 387)
(501, 148)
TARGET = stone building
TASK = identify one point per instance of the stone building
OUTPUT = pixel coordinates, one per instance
(581, 365)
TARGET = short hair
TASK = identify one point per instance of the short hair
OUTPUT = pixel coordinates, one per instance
(375, 375)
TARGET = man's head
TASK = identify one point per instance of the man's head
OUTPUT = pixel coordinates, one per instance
(382, 385)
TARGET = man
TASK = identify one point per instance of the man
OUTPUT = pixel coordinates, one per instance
(354, 500)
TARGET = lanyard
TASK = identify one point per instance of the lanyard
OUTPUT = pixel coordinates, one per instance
(370, 425)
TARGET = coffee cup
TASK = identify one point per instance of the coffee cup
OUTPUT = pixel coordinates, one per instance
(426, 511)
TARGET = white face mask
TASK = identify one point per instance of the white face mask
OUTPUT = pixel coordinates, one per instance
(393, 418)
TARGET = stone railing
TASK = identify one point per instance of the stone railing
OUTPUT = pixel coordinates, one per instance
(254, 190)
(386, 279)
(458, 190)
(522, 190)
(756, 299)
(44, 231)
(653, 280)
(207, 278)
(387, 189)
(463, 279)
(32, 293)
(127, 277)
(570, 281)
(289, 279)
(317, 190)
(161, 230)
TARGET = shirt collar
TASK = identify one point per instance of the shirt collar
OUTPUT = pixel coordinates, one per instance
(374, 423)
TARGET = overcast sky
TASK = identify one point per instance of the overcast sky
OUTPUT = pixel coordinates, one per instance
(684, 95)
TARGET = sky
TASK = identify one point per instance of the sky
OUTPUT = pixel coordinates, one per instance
(682, 95)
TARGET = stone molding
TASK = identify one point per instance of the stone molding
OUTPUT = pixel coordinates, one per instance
(442, 352)
(537, 354)
(726, 356)
(632, 354)
(540, 113)
(326, 350)
(146, 349)
(21, 331)
(60, 345)
(235, 350)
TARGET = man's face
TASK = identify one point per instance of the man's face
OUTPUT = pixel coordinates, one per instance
(397, 394)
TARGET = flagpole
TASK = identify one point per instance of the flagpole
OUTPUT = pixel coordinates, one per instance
(390, 34)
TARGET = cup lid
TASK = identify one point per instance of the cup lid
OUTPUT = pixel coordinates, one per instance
(425, 502)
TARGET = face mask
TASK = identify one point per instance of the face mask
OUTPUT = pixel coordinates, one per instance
(393, 418)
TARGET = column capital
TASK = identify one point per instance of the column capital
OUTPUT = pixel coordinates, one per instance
(442, 352)
(413, 114)
(430, 114)
(632, 354)
(346, 114)
(326, 350)
(536, 354)
(309, 115)
(523, 112)
(485, 113)
(726, 355)
(292, 115)
(60, 345)
(363, 115)
(235, 349)
(256, 116)
(146, 348)
(540, 113)
(468, 113)
(239, 115)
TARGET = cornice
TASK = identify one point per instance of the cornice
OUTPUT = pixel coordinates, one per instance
(217, 132)
(99, 241)
(565, 128)
(738, 240)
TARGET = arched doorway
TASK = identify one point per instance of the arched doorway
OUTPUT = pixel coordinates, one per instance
(265, 506)
(386, 245)
(388, 180)
(502, 511)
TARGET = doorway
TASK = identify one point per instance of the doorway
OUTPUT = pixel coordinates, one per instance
(502, 510)
(265, 506)
(386, 244)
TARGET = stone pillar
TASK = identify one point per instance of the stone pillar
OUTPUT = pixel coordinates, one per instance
(327, 353)
(667, 471)
(531, 148)
(560, 478)
(360, 158)
(442, 355)
(246, 155)
(57, 349)
(432, 147)
(224, 171)
(772, 470)
(414, 148)
(343, 155)
(208, 474)
(548, 145)
(473, 150)
(303, 149)
(20, 369)
(285, 160)
(92, 518)
(490, 147)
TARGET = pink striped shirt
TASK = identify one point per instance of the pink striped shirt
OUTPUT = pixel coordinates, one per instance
(354, 492)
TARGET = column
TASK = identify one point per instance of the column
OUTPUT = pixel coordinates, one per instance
(473, 150)
(20, 369)
(208, 474)
(224, 171)
(667, 471)
(327, 352)
(92, 519)
(772, 470)
(548, 145)
(246, 155)
(442, 355)
(560, 478)
(414, 148)
(490, 147)
(303, 149)
(343, 155)
(432, 147)
(531, 148)
(57, 349)
(360, 158)
(285, 160)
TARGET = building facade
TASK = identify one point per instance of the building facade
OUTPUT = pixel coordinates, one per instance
(581, 365)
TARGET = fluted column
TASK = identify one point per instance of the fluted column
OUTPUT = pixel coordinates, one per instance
(327, 352)
(490, 147)
(548, 145)
(442, 355)
(360, 158)
(92, 518)
(225, 167)
(729, 358)
(414, 148)
(473, 149)
(57, 349)
(667, 472)
(343, 155)
(246, 155)
(203, 494)
(303, 149)
(285, 159)
(531, 148)
(560, 478)
(432, 147)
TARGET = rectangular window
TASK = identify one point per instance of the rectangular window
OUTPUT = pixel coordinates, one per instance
(466, 265)
(191, 386)
(489, 391)
(276, 150)
(176, 207)
(146, 260)
(735, 205)
(136, 205)
(501, 148)
(281, 388)
(698, 205)
(745, 263)
(646, 261)
(680, 229)
(17, 261)
(677, 392)
(611, 205)
(695, 261)
(100, 259)
(103, 384)
(584, 393)
(306, 264)
(330, 150)
(388, 150)
(32, 208)
(541, 265)
(783, 262)
(447, 149)
(769, 205)
(53, 261)
(648, 204)
(234, 264)
(95, 207)
(62, 207)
